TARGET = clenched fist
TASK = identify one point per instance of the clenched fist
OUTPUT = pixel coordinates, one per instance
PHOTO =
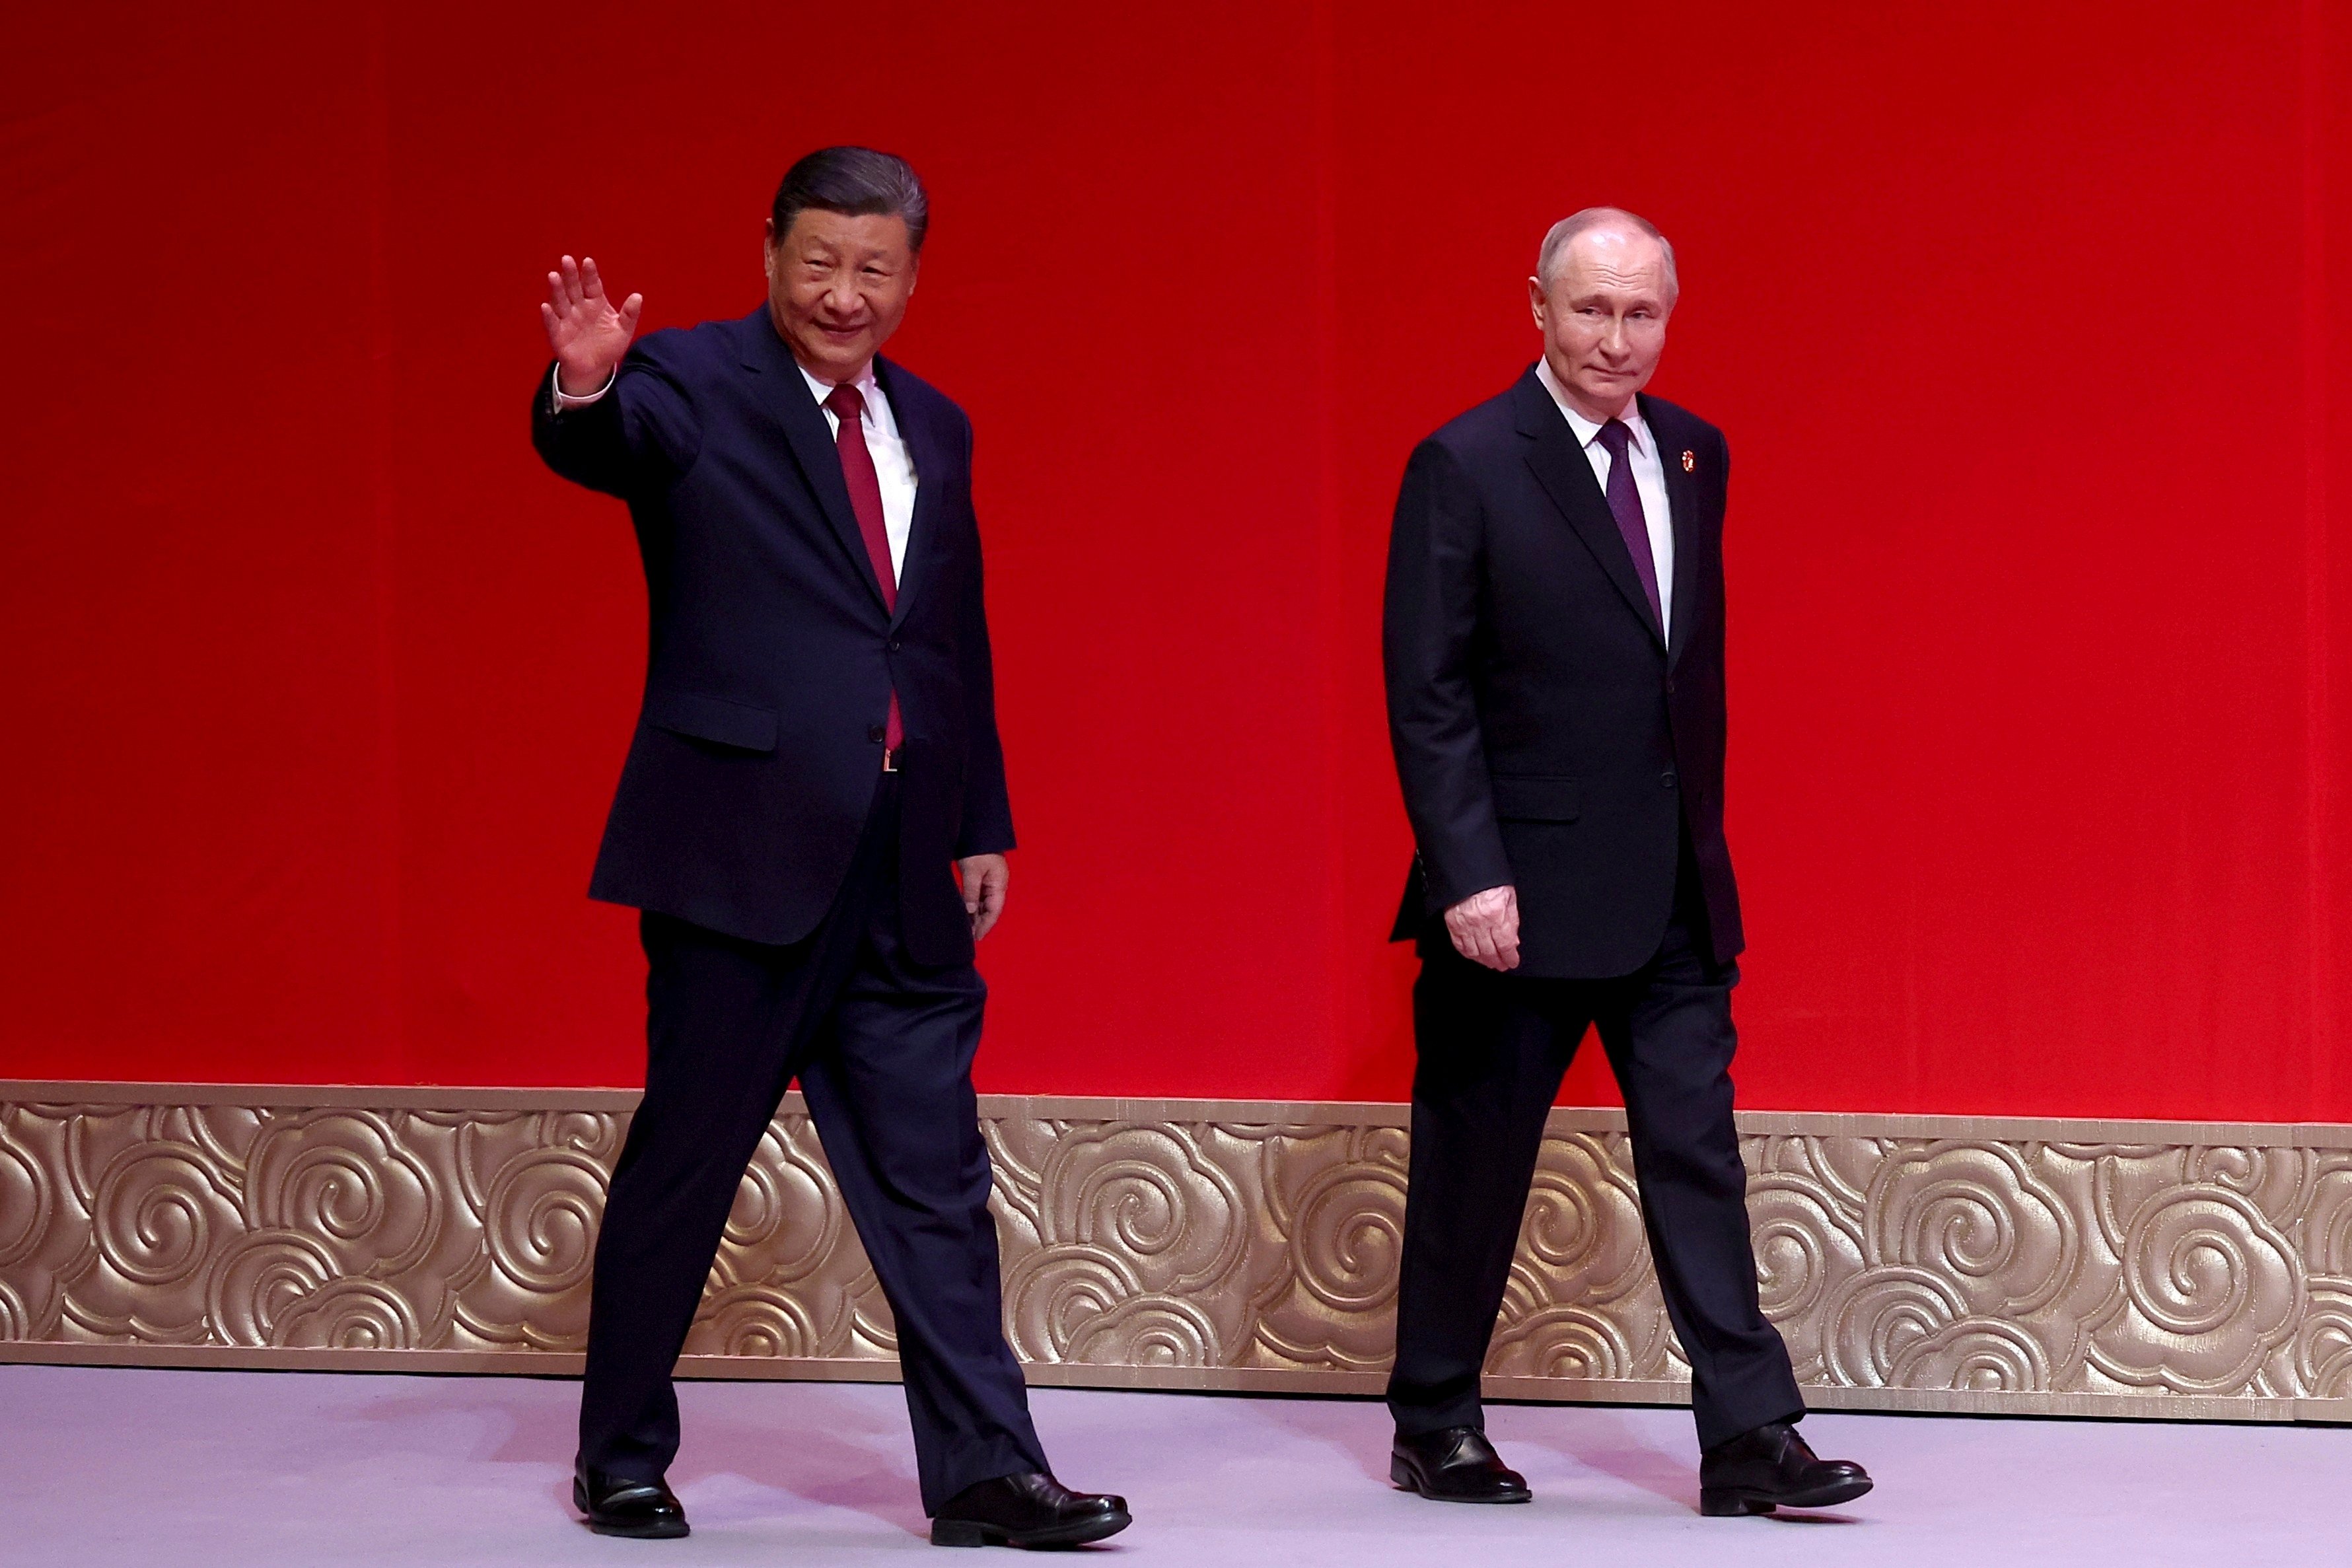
(1485, 928)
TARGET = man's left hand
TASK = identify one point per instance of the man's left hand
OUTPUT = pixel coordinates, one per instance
(983, 877)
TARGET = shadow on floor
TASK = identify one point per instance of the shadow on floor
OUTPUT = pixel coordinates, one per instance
(833, 1453)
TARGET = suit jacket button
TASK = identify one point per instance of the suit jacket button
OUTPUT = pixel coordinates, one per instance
(875, 733)
(1670, 686)
(894, 645)
(1667, 778)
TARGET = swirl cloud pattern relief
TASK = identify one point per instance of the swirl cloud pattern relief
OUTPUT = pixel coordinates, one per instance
(1909, 1263)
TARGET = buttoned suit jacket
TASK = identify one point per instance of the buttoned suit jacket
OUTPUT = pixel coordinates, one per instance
(772, 656)
(1548, 734)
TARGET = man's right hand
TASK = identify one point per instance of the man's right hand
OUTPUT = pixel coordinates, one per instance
(1485, 928)
(587, 334)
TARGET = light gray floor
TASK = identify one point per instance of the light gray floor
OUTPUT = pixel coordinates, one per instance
(193, 1469)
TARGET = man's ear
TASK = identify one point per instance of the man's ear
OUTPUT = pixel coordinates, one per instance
(1536, 300)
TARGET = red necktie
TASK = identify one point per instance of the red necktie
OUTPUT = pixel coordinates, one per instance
(866, 500)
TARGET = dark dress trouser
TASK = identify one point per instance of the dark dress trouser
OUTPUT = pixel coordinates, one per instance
(1492, 1049)
(883, 1048)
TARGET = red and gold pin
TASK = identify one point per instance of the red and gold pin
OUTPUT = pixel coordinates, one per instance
(1690, 464)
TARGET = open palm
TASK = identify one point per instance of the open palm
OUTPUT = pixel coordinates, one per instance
(585, 330)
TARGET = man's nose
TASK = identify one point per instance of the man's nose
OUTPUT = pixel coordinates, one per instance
(1613, 340)
(841, 298)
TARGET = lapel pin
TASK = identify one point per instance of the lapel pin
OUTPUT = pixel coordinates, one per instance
(1690, 464)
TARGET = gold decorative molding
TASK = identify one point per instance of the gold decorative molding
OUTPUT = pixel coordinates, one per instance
(1926, 1263)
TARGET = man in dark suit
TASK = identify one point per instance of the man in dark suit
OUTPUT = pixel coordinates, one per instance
(1554, 651)
(813, 819)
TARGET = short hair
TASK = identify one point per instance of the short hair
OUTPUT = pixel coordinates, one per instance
(1557, 241)
(858, 182)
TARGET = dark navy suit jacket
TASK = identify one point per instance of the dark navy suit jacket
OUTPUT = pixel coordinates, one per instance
(771, 657)
(1546, 733)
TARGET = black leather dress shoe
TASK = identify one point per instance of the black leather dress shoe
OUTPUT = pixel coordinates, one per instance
(647, 1511)
(1456, 1464)
(1771, 1468)
(1031, 1510)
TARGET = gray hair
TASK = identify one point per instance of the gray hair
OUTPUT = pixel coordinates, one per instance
(1556, 242)
(855, 181)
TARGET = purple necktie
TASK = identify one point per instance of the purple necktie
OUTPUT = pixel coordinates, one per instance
(1625, 504)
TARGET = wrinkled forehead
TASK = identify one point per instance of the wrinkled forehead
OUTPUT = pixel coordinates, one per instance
(1622, 260)
(821, 229)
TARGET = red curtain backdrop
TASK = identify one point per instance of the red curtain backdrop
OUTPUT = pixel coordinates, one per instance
(2027, 322)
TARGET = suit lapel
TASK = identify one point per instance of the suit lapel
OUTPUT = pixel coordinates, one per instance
(1682, 502)
(785, 392)
(1566, 475)
(930, 484)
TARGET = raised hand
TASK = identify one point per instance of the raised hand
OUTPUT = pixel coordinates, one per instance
(587, 334)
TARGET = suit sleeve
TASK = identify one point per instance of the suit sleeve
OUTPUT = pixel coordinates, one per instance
(642, 433)
(987, 809)
(1428, 626)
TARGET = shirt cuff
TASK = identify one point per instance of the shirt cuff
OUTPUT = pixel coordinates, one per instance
(565, 400)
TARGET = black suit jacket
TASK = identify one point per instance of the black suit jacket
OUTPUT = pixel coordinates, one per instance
(1546, 735)
(771, 657)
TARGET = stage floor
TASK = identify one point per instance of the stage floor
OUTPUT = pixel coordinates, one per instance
(205, 1468)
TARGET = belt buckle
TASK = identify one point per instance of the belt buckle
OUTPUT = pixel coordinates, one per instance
(891, 757)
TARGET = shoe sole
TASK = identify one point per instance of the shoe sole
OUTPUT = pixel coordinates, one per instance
(1408, 1480)
(663, 1530)
(969, 1533)
(1734, 1502)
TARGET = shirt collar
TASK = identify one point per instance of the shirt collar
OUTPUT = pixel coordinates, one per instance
(1585, 428)
(877, 406)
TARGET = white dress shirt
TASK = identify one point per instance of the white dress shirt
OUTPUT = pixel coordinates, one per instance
(893, 463)
(1649, 479)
